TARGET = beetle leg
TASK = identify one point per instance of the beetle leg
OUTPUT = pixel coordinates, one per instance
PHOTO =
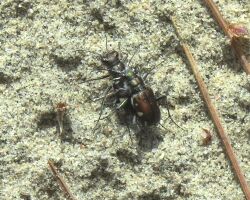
(102, 106)
(134, 119)
(122, 104)
(105, 96)
(122, 92)
(170, 117)
(98, 78)
(161, 97)
(117, 108)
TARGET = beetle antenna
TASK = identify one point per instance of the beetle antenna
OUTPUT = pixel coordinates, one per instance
(163, 126)
(133, 54)
(102, 107)
(106, 42)
(119, 46)
(120, 52)
(98, 55)
(147, 73)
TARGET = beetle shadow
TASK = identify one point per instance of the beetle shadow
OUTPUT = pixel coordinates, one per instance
(48, 119)
(231, 59)
(230, 55)
(67, 135)
(149, 138)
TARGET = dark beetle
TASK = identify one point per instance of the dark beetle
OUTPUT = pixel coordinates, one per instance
(129, 85)
(136, 100)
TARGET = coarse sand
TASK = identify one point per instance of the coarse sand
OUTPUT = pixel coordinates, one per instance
(50, 48)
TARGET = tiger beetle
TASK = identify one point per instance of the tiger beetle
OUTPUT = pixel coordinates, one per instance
(130, 92)
(129, 85)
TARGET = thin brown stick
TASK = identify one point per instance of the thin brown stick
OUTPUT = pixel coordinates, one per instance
(60, 181)
(234, 41)
(215, 117)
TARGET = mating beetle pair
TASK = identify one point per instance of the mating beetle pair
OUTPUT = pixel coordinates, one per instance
(128, 85)
(130, 92)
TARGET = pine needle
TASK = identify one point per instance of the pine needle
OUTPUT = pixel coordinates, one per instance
(61, 181)
(215, 116)
(235, 43)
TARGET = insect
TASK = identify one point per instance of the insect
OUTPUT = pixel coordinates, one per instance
(128, 88)
(139, 99)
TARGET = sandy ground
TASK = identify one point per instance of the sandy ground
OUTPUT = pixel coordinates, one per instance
(40, 67)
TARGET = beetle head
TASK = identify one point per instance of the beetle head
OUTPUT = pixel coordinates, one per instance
(110, 58)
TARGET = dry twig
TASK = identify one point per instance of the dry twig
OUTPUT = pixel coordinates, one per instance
(60, 181)
(227, 28)
(215, 117)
